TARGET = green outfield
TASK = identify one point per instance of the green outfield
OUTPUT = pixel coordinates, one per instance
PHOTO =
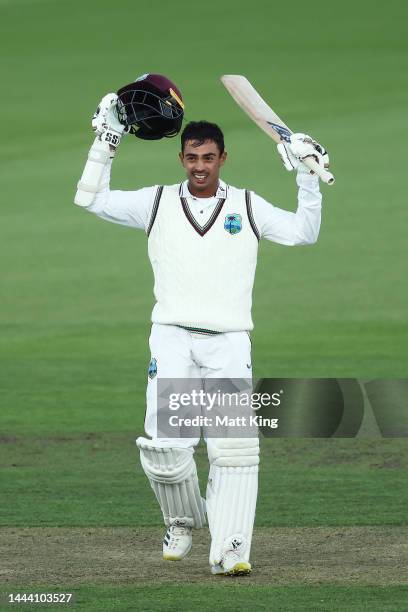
(76, 297)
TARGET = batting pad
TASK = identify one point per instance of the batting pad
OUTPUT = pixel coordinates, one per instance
(172, 474)
(232, 493)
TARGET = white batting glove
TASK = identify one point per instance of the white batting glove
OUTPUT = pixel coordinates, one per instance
(105, 122)
(301, 146)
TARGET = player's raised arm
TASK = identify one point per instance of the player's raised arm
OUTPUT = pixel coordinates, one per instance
(151, 108)
(301, 227)
(108, 131)
(129, 208)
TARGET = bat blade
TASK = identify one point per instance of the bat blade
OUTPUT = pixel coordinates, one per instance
(246, 96)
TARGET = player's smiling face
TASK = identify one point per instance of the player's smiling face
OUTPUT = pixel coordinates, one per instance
(202, 163)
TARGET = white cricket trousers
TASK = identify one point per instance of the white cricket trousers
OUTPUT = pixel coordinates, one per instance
(179, 353)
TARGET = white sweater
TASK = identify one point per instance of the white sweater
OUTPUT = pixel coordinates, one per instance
(206, 281)
(203, 274)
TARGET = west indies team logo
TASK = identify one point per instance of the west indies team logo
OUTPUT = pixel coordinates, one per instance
(233, 223)
(152, 368)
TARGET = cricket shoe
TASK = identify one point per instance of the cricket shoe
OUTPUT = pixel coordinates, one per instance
(232, 561)
(177, 542)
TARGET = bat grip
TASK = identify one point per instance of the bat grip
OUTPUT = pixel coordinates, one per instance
(326, 176)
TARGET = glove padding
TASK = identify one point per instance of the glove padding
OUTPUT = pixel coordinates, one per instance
(299, 148)
(105, 122)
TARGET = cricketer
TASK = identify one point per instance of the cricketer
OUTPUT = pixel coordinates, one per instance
(203, 237)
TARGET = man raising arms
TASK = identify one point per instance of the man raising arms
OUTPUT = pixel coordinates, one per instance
(203, 240)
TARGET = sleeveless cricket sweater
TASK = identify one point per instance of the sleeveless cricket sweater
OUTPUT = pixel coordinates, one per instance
(203, 275)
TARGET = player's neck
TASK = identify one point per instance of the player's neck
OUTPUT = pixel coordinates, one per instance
(208, 192)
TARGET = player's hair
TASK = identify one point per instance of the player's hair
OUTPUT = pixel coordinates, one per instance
(200, 131)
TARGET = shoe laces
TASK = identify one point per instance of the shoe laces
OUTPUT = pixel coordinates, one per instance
(177, 530)
(230, 554)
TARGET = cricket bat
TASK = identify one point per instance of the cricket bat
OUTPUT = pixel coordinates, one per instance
(246, 96)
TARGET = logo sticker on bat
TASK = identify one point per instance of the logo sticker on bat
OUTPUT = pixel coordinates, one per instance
(283, 132)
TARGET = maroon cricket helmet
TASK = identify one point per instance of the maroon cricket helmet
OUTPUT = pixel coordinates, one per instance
(151, 107)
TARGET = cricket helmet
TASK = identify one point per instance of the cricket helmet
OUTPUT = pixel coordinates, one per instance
(151, 107)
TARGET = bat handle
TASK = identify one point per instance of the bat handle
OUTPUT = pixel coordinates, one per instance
(326, 176)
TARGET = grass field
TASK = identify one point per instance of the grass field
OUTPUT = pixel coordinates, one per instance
(77, 294)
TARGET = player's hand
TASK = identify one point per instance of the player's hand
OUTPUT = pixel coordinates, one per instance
(299, 148)
(105, 122)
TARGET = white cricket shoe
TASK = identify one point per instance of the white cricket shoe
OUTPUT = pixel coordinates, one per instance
(232, 558)
(177, 542)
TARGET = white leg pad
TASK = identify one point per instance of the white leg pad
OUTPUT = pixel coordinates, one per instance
(233, 452)
(172, 474)
(232, 492)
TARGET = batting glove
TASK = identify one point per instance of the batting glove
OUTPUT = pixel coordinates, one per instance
(105, 122)
(301, 146)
